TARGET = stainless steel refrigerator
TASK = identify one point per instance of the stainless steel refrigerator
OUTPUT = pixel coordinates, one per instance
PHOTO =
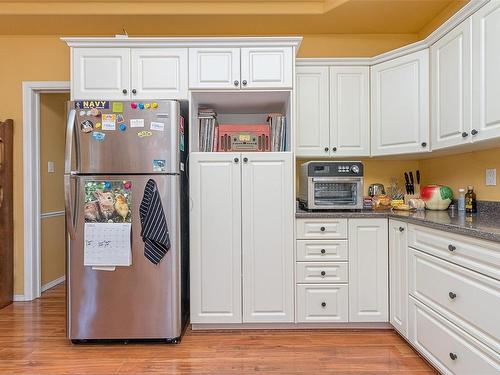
(109, 143)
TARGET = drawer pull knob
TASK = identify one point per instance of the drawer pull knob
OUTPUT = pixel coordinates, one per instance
(451, 247)
(452, 295)
(401, 229)
(323, 251)
(322, 229)
(323, 273)
(453, 356)
(323, 304)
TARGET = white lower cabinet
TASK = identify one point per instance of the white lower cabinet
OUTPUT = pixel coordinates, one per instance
(446, 346)
(368, 270)
(322, 303)
(398, 276)
(241, 237)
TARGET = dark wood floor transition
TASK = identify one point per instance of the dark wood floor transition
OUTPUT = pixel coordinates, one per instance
(33, 341)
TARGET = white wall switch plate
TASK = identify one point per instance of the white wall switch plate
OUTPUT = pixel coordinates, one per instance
(491, 177)
(50, 167)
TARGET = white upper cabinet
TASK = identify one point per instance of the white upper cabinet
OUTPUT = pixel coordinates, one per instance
(451, 79)
(313, 126)
(486, 72)
(398, 276)
(350, 111)
(266, 67)
(400, 105)
(159, 73)
(368, 270)
(267, 237)
(215, 237)
(100, 73)
(214, 68)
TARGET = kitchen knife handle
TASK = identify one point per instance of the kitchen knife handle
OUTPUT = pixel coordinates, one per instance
(70, 223)
(70, 129)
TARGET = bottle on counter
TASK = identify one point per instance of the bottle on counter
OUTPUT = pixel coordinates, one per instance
(470, 201)
(461, 200)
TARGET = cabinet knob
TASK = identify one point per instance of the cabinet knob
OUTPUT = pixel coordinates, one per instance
(244, 82)
(474, 132)
(236, 83)
(451, 247)
(401, 229)
(245, 160)
(326, 149)
(323, 273)
(236, 160)
(323, 251)
(334, 149)
(323, 304)
(453, 356)
(124, 91)
(424, 144)
(322, 229)
(465, 134)
(134, 91)
(452, 295)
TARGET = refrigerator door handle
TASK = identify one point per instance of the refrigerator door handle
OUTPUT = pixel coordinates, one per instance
(70, 128)
(70, 216)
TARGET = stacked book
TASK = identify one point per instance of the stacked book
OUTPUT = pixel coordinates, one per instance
(208, 131)
(277, 122)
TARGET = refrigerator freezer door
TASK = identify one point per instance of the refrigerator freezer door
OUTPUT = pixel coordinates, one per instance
(121, 138)
(141, 301)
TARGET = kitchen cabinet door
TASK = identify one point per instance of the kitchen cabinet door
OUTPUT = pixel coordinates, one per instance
(486, 72)
(215, 237)
(313, 124)
(398, 276)
(267, 67)
(267, 237)
(100, 73)
(451, 79)
(350, 111)
(159, 73)
(400, 105)
(368, 270)
(214, 68)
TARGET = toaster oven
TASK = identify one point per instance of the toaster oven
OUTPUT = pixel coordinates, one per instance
(331, 185)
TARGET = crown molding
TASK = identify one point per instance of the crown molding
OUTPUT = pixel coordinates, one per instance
(468, 10)
(288, 41)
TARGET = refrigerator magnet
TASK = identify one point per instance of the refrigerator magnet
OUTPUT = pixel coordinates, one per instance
(144, 133)
(108, 121)
(86, 126)
(119, 118)
(136, 122)
(159, 126)
(159, 165)
(118, 107)
(98, 136)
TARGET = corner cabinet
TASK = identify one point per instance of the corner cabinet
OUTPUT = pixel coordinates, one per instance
(400, 105)
(241, 237)
(129, 73)
(398, 276)
(368, 270)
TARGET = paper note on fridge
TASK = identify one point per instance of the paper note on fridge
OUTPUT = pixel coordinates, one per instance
(108, 121)
(137, 123)
(107, 244)
(157, 126)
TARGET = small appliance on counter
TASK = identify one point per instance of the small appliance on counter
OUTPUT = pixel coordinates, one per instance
(331, 185)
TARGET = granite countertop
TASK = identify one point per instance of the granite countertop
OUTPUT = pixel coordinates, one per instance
(484, 225)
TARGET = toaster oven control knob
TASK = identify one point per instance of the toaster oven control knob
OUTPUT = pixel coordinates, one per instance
(355, 169)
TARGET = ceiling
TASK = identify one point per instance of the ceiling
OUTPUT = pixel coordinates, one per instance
(221, 17)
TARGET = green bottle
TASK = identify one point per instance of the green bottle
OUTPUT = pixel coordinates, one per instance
(470, 200)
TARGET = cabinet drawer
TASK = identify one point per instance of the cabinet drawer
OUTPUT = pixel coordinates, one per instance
(468, 299)
(322, 272)
(479, 255)
(322, 303)
(324, 251)
(440, 341)
(321, 228)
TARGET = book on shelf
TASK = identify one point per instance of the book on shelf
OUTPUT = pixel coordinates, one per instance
(277, 122)
(207, 120)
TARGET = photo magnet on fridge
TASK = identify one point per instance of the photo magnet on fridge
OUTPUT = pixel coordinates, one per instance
(108, 201)
(86, 126)
(159, 165)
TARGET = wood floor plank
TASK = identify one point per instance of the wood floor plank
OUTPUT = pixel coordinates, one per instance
(33, 341)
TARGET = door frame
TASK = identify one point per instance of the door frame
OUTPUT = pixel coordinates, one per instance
(31, 182)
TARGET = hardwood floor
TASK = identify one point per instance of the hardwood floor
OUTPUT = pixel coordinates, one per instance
(33, 341)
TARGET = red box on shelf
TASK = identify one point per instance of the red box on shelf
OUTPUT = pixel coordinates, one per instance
(244, 137)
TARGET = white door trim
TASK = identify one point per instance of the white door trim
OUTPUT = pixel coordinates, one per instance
(31, 180)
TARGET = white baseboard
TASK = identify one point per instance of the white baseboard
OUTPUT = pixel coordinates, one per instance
(18, 298)
(276, 326)
(53, 283)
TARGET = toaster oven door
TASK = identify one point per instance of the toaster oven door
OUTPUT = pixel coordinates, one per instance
(337, 193)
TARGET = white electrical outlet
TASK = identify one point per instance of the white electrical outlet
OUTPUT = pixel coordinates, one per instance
(50, 167)
(491, 177)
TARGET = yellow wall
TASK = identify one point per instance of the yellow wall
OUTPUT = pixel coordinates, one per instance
(458, 171)
(52, 136)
